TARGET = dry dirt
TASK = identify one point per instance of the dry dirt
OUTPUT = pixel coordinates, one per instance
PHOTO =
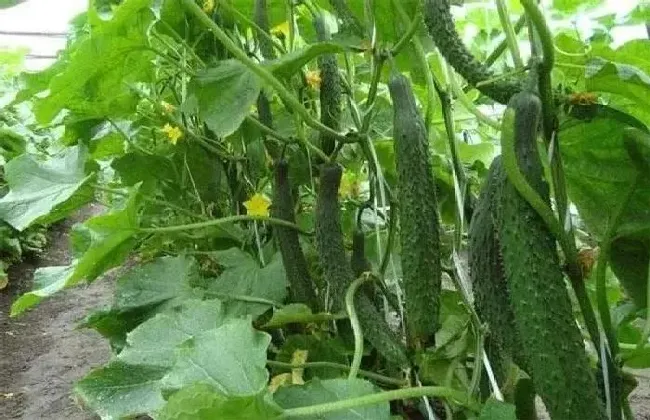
(42, 355)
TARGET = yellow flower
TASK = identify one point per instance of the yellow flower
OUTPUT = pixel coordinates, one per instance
(167, 107)
(280, 29)
(278, 381)
(349, 187)
(208, 6)
(258, 205)
(313, 79)
(299, 357)
(172, 133)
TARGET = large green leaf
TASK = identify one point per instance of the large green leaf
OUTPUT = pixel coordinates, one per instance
(44, 191)
(497, 410)
(232, 358)
(332, 390)
(620, 79)
(97, 71)
(154, 342)
(111, 238)
(120, 390)
(290, 63)
(222, 96)
(164, 279)
(243, 276)
(203, 402)
(599, 174)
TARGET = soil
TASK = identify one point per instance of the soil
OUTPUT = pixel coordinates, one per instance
(42, 355)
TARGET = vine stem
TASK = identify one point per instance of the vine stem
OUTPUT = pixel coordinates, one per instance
(511, 37)
(378, 398)
(261, 72)
(314, 365)
(354, 321)
(222, 221)
(469, 105)
(543, 31)
(262, 32)
(492, 58)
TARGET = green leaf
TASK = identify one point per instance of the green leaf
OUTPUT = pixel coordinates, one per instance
(332, 390)
(223, 96)
(243, 276)
(47, 281)
(497, 410)
(5, 4)
(120, 390)
(571, 6)
(232, 358)
(203, 402)
(98, 69)
(111, 240)
(154, 342)
(12, 144)
(164, 279)
(44, 191)
(630, 261)
(599, 174)
(320, 349)
(621, 79)
(290, 63)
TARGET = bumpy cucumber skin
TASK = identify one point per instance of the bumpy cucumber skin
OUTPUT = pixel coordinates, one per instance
(350, 21)
(330, 89)
(338, 273)
(358, 260)
(438, 19)
(419, 223)
(491, 296)
(262, 20)
(295, 265)
(545, 325)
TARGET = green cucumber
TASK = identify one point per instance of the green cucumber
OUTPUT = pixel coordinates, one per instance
(545, 325)
(350, 22)
(358, 260)
(330, 89)
(441, 27)
(418, 212)
(338, 273)
(302, 289)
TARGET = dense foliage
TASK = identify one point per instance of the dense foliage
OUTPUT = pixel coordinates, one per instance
(295, 185)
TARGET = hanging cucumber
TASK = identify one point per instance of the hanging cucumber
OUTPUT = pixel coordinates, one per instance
(358, 260)
(418, 212)
(330, 88)
(350, 22)
(300, 282)
(338, 273)
(550, 339)
(441, 27)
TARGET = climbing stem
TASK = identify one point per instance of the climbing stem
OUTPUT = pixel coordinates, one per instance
(543, 31)
(356, 325)
(503, 45)
(222, 221)
(382, 397)
(511, 37)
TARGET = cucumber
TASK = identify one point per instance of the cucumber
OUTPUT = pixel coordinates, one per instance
(338, 273)
(330, 89)
(491, 296)
(418, 212)
(358, 260)
(441, 27)
(262, 20)
(550, 340)
(302, 289)
(350, 22)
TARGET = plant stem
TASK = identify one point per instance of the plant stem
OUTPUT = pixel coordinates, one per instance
(261, 72)
(492, 58)
(381, 397)
(356, 326)
(300, 318)
(260, 31)
(511, 37)
(222, 221)
(543, 31)
(314, 365)
(469, 105)
(245, 298)
(422, 62)
(410, 33)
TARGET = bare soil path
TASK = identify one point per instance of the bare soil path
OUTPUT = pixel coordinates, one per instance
(41, 354)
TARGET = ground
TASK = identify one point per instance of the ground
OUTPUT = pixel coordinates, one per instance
(42, 355)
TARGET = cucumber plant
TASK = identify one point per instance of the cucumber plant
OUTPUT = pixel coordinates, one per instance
(313, 234)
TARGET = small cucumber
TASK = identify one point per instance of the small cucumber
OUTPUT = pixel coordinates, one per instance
(330, 89)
